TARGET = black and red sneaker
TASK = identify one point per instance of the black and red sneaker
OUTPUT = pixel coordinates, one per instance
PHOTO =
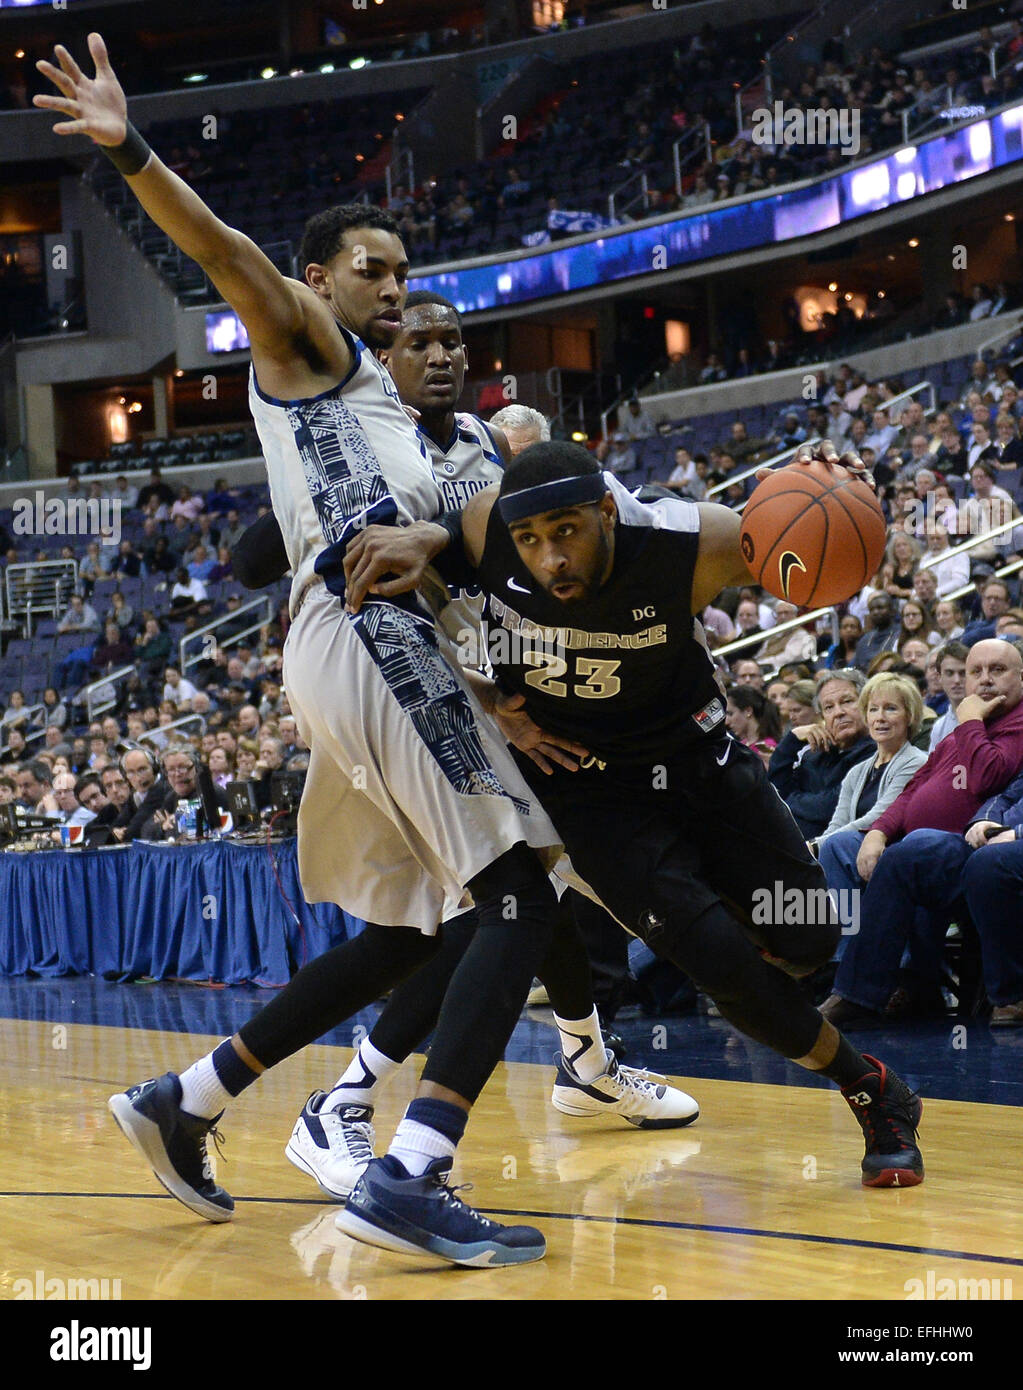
(889, 1115)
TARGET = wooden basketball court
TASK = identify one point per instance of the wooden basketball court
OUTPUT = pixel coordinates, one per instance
(759, 1199)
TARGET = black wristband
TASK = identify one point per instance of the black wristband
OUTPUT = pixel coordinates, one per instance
(131, 156)
(452, 524)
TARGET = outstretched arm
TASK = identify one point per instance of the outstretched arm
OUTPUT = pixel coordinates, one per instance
(274, 309)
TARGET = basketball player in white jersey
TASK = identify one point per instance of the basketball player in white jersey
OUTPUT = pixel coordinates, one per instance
(333, 1137)
(411, 787)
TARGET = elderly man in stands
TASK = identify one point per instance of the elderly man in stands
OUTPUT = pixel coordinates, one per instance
(521, 426)
(994, 601)
(977, 761)
(809, 764)
(951, 568)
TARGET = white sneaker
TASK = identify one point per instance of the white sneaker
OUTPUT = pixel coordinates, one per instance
(642, 1098)
(333, 1146)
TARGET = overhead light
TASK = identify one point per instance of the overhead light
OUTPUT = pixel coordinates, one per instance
(326, 67)
(399, 115)
(833, 286)
(359, 158)
(848, 297)
(20, 53)
(880, 294)
(179, 372)
(122, 400)
(890, 257)
(197, 77)
(579, 437)
(268, 72)
(358, 62)
(497, 364)
(135, 407)
(913, 241)
(1010, 217)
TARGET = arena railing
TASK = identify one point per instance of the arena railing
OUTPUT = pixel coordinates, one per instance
(94, 695)
(186, 662)
(1013, 524)
(1013, 567)
(778, 459)
(759, 638)
(39, 588)
(158, 737)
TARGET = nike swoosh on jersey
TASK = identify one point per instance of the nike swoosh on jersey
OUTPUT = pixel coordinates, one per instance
(724, 756)
(513, 585)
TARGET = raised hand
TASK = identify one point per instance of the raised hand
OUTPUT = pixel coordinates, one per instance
(96, 105)
(823, 451)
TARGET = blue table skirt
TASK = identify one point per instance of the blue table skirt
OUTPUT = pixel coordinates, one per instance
(210, 911)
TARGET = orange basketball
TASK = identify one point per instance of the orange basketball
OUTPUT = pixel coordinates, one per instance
(813, 534)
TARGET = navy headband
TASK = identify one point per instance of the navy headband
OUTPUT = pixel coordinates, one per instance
(550, 497)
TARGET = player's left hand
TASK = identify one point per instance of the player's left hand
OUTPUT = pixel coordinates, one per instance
(520, 730)
(403, 552)
(823, 451)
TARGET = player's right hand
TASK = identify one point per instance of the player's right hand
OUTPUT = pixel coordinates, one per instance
(543, 748)
(403, 552)
(96, 105)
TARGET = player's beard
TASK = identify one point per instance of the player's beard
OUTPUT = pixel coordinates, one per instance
(596, 570)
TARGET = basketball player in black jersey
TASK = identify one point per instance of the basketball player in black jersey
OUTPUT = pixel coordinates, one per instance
(671, 821)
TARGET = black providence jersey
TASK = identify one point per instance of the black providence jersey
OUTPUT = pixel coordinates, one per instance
(623, 674)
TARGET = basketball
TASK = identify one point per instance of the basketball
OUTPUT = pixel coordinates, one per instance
(813, 534)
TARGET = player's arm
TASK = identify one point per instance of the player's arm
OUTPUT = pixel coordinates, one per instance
(405, 552)
(719, 562)
(276, 311)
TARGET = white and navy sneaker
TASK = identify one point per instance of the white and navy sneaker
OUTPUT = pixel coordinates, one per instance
(173, 1143)
(641, 1097)
(424, 1216)
(333, 1146)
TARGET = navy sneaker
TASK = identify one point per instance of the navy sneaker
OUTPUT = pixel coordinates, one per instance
(889, 1115)
(424, 1216)
(173, 1143)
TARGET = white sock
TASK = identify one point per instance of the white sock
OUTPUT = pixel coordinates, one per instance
(202, 1092)
(582, 1046)
(416, 1146)
(368, 1069)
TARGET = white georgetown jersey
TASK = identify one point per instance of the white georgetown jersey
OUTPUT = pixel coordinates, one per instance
(339, 462)
(469, 462)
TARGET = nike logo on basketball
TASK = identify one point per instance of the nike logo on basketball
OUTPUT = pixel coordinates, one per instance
(789, 561)
(518, 587)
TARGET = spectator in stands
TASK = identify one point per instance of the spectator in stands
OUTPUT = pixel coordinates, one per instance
(797, 707)
(90, 568)
(207, 534)
(980, 449)
(202, 564)
(153, 646)
(881, 434)
(176, 689)
(249, 721)
(809, 778)
(902, 560)
(223, 499)
(796, 644)
(741, 448)
(746, 671)
(948, 619)
(115, 650)
(882, 635)
(187, 504)
(975, 762)
(754, 720)
(634, 422)
(232, 533)
(80, 617)
(124, 493)
(155, 488)
(916, 622)
(16, 747)
(951, 663)
(747, 618)
(713, 371)
(8, 791)
(181, 768)
(221, 766)
(684, 473)
(892, 710)
(994, 601)
(952, 570)
(270, 704)
(980, 302)
(843, 652)
(16, 713)
(188, 593)
(221, 567)
(127, 561)
(1007, 445)
(839, 420)
(158, 558)
(621, 457)
(120, 612)
(69, 808)
(54, 711)
(35, 792)
(246, 757)
(1010, 624)
(180, 538)
(791, 432)
(148, 791)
